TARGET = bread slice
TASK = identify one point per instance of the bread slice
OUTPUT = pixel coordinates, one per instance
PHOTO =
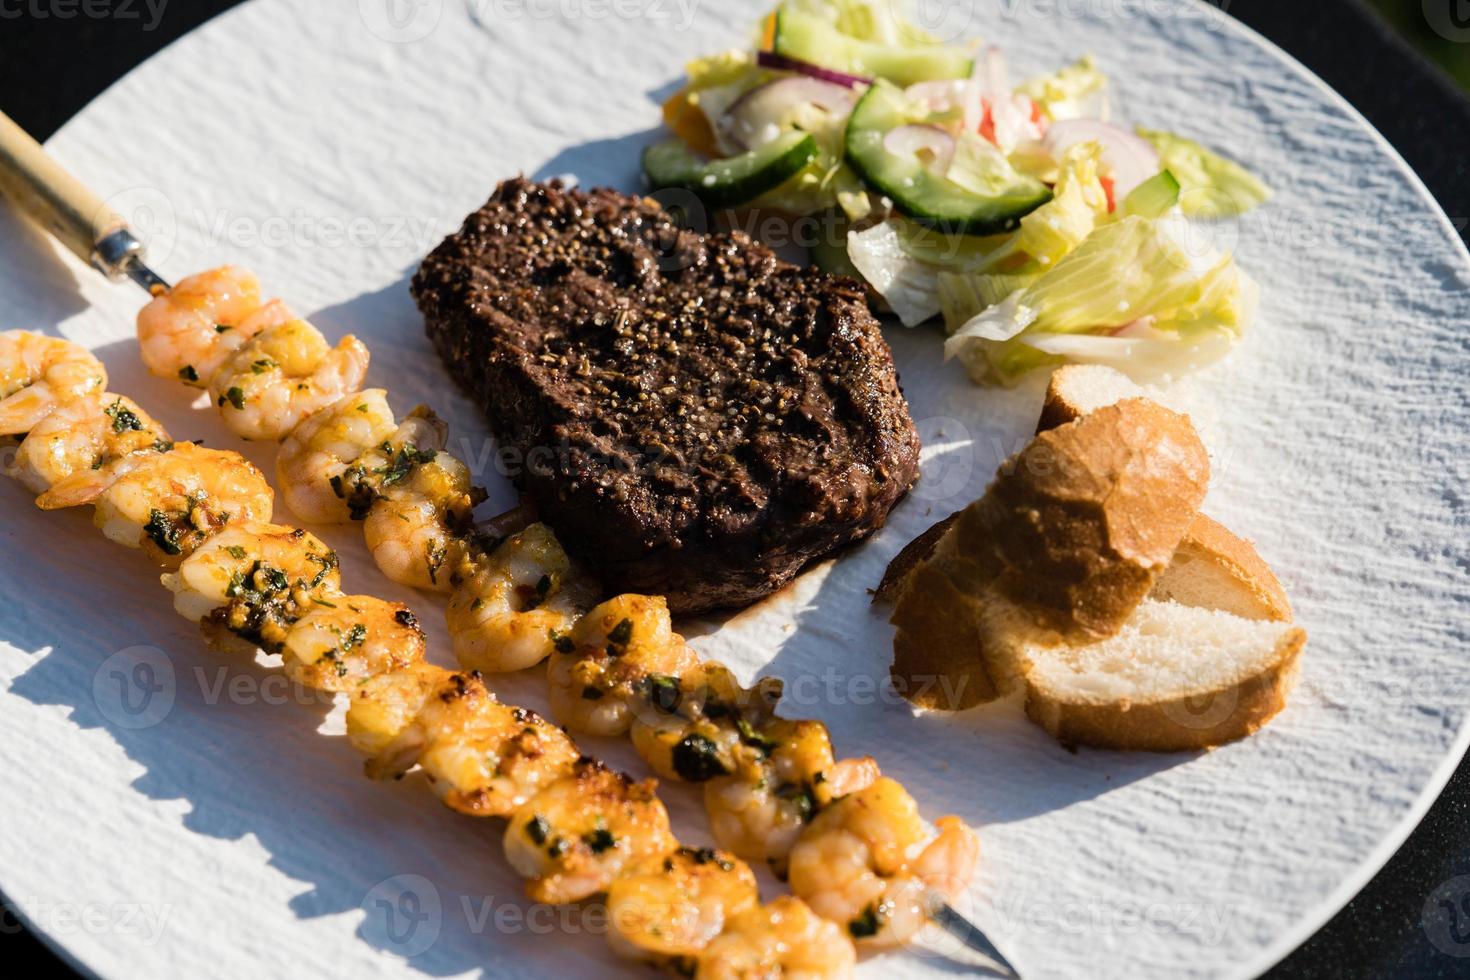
(1175, 678)
(1212, 567)
(1215, 569)
(1074, 531)
(1077, 389)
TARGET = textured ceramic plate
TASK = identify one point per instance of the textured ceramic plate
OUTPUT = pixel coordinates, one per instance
(169, 814)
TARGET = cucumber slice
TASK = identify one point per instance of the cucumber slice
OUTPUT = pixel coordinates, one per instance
(920, 193)
(811, 39)
(735, 180)
(1153, 197)
(829, 249)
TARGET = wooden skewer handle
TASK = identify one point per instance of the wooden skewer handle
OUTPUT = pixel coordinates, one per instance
(61, 204)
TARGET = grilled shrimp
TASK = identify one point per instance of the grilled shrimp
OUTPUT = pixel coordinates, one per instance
(669, 907)
(504, 615)
(415, 529)
(254, 579)
(578, 835)
(189, 331)
(694, 728)
(82, 435)
(482, 757)
(602, 671)
(283, 374)
(342, 641)
(940, 873)
(383, 706)
(313, 462)
(38, 374)
(759, 810)
(167, 503)
(856, 863)
(784, 940)
(422, 504)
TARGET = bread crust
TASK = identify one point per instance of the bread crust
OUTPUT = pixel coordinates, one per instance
(1198, 720)
(1089, 516)
(1074, 532)
(1253, 590)
(1256, 592)
(1099, 512)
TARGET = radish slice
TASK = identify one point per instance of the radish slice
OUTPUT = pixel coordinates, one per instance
(779, 62)
(907, 141)
(757, 117)
(1131, 159)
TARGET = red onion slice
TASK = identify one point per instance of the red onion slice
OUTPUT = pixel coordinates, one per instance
(913, 140)
(779, 62)
(1131, 159)
(755, 118)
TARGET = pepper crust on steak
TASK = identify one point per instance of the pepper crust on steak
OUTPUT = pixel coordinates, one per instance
(694, 417)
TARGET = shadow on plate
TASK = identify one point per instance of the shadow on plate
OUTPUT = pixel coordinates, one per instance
(614, 162)
(241, 746)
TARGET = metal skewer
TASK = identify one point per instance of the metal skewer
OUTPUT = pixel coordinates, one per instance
(64, 207)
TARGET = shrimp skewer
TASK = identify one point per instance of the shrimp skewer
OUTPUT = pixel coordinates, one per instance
(577, 828)
(618, 669)
(344, 457)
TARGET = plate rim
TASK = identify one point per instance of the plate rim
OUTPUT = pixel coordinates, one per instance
(1316, 917)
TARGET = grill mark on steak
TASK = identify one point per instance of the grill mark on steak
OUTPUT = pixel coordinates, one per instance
(693, 416)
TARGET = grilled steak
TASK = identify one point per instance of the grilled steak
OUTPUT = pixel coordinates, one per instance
(693, 416)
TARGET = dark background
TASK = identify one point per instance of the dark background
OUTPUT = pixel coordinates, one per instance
(1399, 66)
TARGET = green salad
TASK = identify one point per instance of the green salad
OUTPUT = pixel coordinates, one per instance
(1039, 229)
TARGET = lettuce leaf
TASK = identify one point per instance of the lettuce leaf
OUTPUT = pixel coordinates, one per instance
(1078, 205)
(909, 286)
(1078, 91)
(879, 21)
(1137, 294)
(904, 261)
(1210, 186)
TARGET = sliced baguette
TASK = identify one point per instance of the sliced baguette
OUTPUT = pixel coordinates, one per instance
(1175, 678)
(1074, 532)
(1215, 569)
(1212, 567)
(1077, 389)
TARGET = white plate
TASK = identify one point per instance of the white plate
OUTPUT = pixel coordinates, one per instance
(329, 146)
